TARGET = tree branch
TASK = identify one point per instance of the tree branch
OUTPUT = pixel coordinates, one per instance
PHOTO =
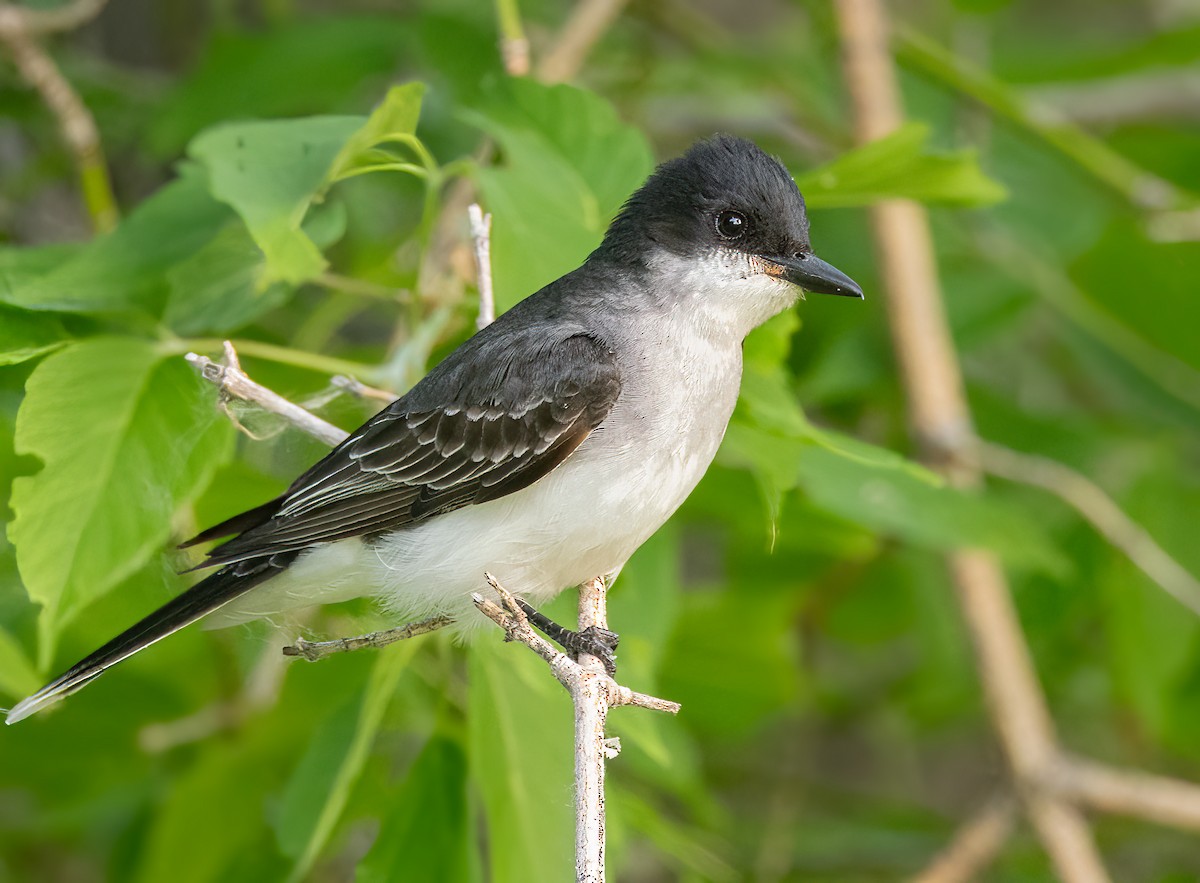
(975, 844)
(233, 383)
(941, 423)
(314, 651)
(19, 28)
(588, 22)
(481, 231)
(593, 693)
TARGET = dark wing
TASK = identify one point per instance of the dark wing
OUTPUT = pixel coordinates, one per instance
(480, 428)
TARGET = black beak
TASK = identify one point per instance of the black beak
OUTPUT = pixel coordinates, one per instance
(812, 274)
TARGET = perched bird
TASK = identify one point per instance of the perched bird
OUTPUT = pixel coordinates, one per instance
(547, 447)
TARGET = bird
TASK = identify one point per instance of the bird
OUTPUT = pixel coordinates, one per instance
(548, 446)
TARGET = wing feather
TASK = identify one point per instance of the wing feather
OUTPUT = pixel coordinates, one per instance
(479, 431)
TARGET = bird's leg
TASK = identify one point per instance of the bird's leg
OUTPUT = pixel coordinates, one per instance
(594, 641)
(314, 650)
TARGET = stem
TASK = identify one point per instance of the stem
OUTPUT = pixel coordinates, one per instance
(280, 355)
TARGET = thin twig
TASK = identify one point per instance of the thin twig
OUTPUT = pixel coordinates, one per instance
(18, 30)
(975, 845)
(593, 693)
(481, 232)
(941, 423)
(1090, 501)
(357, 388)
(314, 651)
(233, 383)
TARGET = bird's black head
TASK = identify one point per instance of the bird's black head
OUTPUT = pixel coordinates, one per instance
(725, 195)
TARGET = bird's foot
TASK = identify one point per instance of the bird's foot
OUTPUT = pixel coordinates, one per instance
(592, 641)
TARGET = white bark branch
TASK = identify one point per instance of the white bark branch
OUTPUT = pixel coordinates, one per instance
(481, 232)
(233, 383)
(593, 693)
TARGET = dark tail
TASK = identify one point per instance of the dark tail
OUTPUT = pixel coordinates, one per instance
(215, 590)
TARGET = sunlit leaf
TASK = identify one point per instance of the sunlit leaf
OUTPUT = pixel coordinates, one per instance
(125, 436)
(269, 172)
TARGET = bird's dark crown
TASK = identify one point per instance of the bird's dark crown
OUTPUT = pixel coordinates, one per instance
(680, 206)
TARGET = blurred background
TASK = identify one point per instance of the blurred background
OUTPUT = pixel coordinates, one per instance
(799, 606)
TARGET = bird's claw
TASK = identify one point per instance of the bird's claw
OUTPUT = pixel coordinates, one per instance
(594, 641)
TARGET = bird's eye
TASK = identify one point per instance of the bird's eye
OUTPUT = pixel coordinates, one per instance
(732, 225)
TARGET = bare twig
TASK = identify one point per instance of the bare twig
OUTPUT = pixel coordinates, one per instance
(1090, 501)
(588, 22)
(317, 650)
(514, 45)
(975, 844)
(941, 423)
(233, 383)
(357, 388)
(19, 28)
(481, 231)
(593, 693)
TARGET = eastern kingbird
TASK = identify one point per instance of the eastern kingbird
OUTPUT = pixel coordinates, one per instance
(550, 445)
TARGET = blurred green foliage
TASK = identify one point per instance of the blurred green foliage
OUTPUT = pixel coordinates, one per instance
(282, 169)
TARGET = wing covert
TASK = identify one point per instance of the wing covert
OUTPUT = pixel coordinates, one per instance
(473, 431)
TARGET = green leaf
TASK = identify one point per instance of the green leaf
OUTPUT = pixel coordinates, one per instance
(893, 500)
(427, 832)
(18, 677)
(568, 165)
(221, 287)
(212, 815)
(897, 167)
(395, 118)
(270, 172)
(125, 270)
(25, 335)
(318, 791)
(125, 437)
(521, 759)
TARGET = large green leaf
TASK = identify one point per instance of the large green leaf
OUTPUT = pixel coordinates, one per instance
(221, 287)
(125, 436)
(568, 164)
(427, 832)
(270, 171)
(520, 741)
(26, 335)
(898, 167)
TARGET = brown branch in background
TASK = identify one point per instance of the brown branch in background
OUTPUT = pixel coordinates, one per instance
(588, 22)
(233, 383)
(1157, 798)
(941, 423)
(19, 29)
(975, 845)
(1090, 501)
